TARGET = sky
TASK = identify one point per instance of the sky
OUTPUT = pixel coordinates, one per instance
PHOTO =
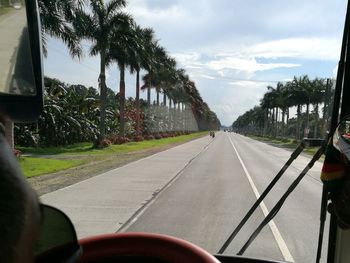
(231, 49)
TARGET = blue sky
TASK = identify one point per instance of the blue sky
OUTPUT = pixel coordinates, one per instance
(232, 49)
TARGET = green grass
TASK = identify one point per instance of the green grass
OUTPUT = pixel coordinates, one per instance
(37, 166)
(285, 143)
(70, 149)
(4, 10)
(34, 166)
(86, 148)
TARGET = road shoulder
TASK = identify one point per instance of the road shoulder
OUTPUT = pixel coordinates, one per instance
(103, 203)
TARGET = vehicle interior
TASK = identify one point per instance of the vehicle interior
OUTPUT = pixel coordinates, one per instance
(22, 94)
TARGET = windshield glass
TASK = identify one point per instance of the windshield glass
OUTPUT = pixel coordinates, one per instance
(173, 117)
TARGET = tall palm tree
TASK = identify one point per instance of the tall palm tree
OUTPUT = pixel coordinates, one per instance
(141, 59)
(304, 88)
(123, 46)
(97, 26)
(319, 88)
(297, 97)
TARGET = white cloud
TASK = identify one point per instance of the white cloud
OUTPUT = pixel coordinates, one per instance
(204, 76)
(249, 83)
(303, 48)
(245, 64)
(187, 58)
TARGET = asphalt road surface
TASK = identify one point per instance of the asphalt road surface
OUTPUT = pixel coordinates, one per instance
(215, 191)
(11, 27)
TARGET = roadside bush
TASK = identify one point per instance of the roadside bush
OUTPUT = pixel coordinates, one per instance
(138, 138)
(149, 137)
(179, 133)
(171, 134)
(116, 139)
(158, 136)
(165, 135)
(102, 144)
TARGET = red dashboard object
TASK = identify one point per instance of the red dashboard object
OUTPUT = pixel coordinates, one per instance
(167, 248)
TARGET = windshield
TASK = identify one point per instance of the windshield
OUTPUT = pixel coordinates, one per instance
(172, 117)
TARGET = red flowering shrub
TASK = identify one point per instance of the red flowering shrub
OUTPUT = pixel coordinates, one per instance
(158, 136)
(116, 139)
(149, 137)
(138, 138)
(17, 153)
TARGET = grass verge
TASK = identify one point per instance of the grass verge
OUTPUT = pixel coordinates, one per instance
(4, 10)
(87, 149)
(32, 166)
(285, 143)
(52, 159)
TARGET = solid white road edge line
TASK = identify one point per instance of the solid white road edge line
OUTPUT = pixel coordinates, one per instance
(276, 233)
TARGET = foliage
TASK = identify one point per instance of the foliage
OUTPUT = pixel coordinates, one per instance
(272, 116)
(75, 113)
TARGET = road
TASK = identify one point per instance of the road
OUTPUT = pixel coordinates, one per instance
(11, 28)
(214, 192)
(199, 191)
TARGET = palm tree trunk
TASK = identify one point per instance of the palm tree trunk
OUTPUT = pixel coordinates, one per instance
(179, 115)
(138, 102)
(103, 97)
(326, 100)
(282, 127)
(149, 96)
(164, 99)
(122, 101)
(306, 134)
(316, 121)
(266, 117)
(287, 119)
(273, 121)
(171, 125)
(276, 128)
(157, 90)
(297, 130)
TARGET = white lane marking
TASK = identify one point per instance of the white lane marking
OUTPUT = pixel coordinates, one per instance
(276, 233)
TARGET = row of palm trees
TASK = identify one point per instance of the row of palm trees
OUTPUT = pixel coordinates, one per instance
(71, 115)
(273, 116)
(117, 39)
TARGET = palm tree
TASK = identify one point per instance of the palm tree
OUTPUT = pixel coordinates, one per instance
(327, 98)
(141, 58)
(266, 104)
(319, 88)
(56, 19)
(123, 46)
(97, 26)
(297, 98)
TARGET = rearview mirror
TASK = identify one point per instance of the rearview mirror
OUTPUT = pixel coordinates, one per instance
(341, 137)
(58, 240)
(21, 80)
